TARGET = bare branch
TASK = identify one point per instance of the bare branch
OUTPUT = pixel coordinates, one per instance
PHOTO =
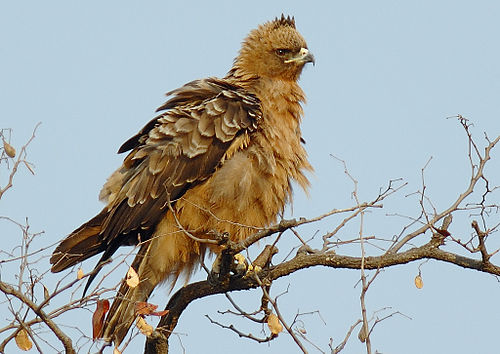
(65, 340)
(241, 334)
(342, 344)
(21, 159)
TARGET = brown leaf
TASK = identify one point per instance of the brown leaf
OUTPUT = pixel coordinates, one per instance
(23, 341)
(274, 324)
(144, 308)
(116, 351)
(419, 283)
(79, 274)
(143, 326)
(147, 309)
(160, 313)
(9, 149)
(98, 318)
(132, 278)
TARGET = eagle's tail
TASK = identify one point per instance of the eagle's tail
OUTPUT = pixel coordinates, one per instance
(81, 244)
(123, 310)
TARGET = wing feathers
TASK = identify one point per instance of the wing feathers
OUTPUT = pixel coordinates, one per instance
(183, 146)
(81, 244)
(184, 125)
(206, 126)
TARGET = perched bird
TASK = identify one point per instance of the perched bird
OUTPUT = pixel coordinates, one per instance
(219, 158)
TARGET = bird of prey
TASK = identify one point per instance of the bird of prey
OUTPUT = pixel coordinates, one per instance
(220, 157)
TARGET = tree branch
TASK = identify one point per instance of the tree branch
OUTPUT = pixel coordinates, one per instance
(21, 158)
(182, 298)
(65, 340)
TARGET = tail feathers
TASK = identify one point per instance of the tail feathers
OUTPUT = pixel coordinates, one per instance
(123, 310)
(81, 244)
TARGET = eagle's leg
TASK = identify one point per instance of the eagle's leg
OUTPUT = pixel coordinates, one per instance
(239, 266)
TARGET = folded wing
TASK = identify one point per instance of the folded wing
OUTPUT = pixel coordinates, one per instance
(179, 148)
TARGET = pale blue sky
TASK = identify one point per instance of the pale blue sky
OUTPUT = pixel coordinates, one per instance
(387, 75)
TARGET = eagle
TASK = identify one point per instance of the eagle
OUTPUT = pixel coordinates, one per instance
(219, 158)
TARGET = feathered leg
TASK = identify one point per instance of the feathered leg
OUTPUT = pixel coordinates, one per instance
(122, 313)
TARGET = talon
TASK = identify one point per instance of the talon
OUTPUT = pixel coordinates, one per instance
(240, 266)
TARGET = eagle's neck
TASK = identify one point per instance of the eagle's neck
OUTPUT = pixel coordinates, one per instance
(279, 133)
(280, 129)
(288, 92)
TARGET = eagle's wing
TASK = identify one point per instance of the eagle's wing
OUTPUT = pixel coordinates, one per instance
(179, 148)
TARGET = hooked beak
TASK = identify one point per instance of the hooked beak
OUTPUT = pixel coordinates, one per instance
(304, 56)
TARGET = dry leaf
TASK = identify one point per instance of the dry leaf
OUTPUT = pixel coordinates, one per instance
(143, 326)
(144, 308)
(419, 283)
(23, 341)
(46, 294)
(159, 313)
(9, 150)
(98, 318)
(79, 274)
(116, 351)
(132, 278)
(274, 324)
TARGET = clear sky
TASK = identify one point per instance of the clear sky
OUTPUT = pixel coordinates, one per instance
(387, 75)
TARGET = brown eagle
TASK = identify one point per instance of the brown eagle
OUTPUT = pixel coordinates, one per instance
(219, 158)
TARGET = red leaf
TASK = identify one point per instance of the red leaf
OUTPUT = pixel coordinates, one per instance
(98, 318)
(144, 308)
(147, 309)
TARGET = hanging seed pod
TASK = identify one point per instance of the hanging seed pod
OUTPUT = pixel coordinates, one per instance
(419, 283)
(9, 149)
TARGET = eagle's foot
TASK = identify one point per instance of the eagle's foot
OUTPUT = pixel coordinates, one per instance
(223, 268)
(240, 265)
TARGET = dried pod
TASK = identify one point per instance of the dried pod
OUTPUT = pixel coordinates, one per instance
(23, 341)
(9, 149)
(419, 283)
(132, 278)
(362, 335)
(79, 274)
(274, 324)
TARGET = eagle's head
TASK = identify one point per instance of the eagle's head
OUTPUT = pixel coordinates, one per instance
(274, 50)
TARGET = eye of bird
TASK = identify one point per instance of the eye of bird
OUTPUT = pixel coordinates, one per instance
(282, 51)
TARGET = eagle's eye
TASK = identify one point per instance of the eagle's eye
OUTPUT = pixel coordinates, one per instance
(282, 51)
